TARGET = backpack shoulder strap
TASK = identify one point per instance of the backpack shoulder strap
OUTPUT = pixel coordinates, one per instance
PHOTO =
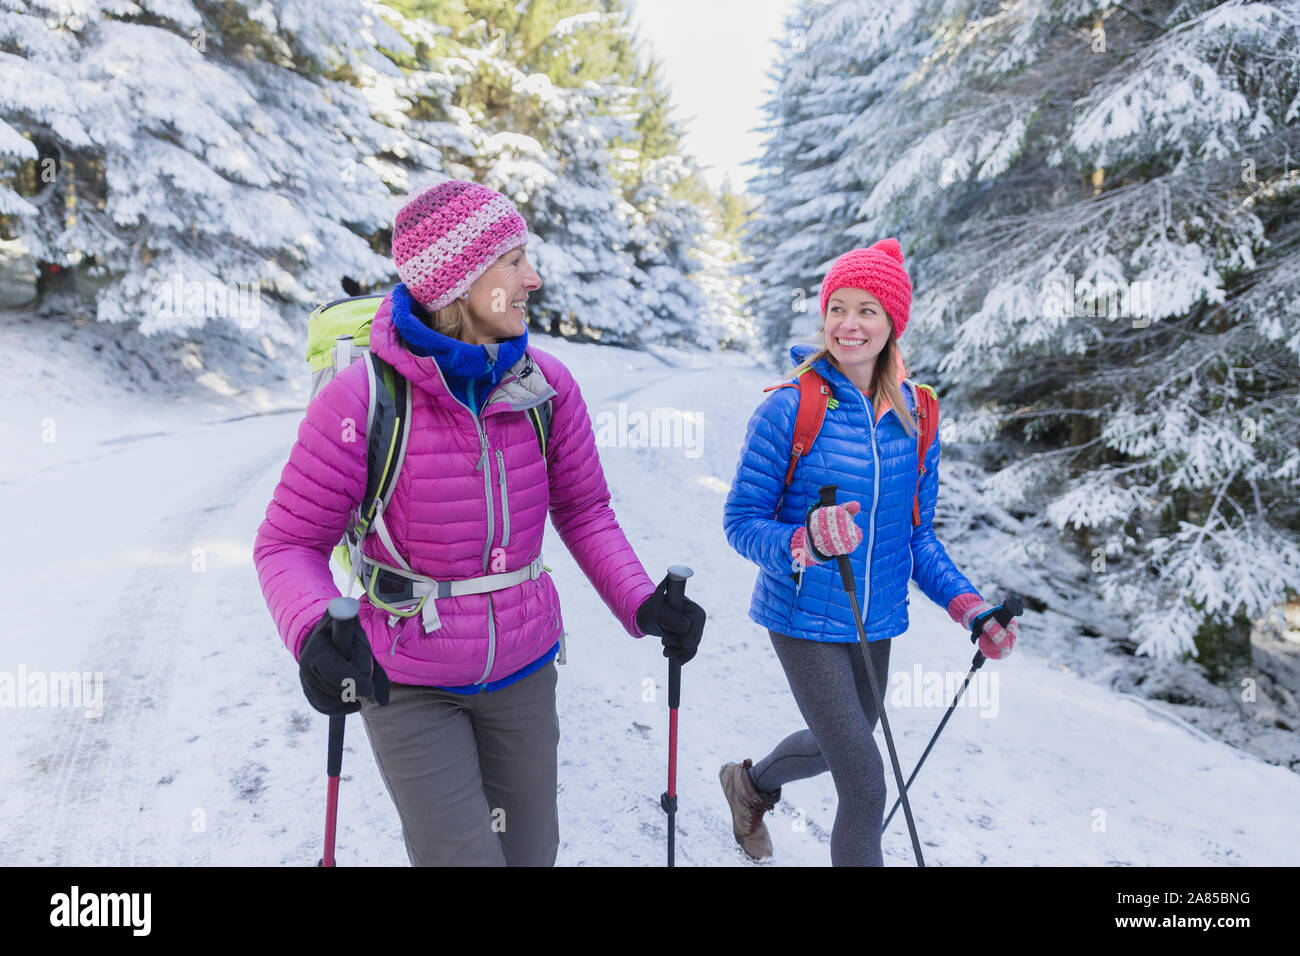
(387, 428)
(540, 416)
(814, 399)
(927, 423)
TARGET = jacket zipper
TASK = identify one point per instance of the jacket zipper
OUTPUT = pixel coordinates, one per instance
(505, 502)
(492, 641)
(875, 500)
(911, 558)
(484, 462)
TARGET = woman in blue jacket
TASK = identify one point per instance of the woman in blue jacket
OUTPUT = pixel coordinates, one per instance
(867, 446)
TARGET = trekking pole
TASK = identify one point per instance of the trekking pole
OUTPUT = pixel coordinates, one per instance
(341, 611)
(846, 575)
(1009, 608)
(677, 576)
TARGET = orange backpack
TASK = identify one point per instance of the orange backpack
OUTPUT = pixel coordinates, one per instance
(815, 398)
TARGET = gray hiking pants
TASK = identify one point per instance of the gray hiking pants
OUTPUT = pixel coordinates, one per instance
(473, 776)
(831, 687)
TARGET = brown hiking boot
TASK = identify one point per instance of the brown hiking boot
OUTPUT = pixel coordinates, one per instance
(748, 804)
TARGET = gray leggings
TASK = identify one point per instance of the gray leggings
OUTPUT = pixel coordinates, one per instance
(472, 775)
(831, 687)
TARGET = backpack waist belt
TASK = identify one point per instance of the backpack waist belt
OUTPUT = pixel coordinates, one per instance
(406, 593)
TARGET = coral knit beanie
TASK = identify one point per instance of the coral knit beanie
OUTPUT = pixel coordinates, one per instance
(448, 235)
(877, 269)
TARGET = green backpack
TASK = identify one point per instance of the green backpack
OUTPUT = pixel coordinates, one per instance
(338, 333)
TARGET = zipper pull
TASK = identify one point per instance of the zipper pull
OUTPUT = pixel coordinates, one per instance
(482, 451)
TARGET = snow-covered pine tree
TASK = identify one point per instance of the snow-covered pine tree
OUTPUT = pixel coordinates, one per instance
(689, 260)
(543, 145)
(546, 103)
(590, 278)
(723, 265)
(834, 61)
(1123, 306)
(664, 235)
(38, 88)
(211, 158)
(208, 147)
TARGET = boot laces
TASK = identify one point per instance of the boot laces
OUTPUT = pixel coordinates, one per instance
(759, 803)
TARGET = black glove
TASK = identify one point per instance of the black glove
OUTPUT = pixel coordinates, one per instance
(323, 670)
(680, 630)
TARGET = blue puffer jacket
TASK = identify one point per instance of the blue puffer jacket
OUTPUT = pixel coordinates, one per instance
(851, 450)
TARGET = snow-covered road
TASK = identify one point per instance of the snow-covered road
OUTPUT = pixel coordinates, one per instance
(129, 555)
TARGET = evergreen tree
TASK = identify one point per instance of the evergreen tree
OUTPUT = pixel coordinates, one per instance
(835, 61)
(168, 156)
(548, 103)
(205, 153)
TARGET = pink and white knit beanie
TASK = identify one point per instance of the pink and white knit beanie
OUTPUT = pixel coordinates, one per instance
(878, 269)
(448, 235)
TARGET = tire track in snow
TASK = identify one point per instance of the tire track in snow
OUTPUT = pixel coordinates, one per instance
(101, 768)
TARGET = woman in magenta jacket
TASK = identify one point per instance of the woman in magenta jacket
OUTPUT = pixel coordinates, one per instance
(458, 701)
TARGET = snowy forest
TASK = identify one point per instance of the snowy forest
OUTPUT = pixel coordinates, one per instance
(261, 146)
(1099, 203)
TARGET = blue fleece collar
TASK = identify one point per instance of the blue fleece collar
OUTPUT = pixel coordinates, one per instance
(454, 356)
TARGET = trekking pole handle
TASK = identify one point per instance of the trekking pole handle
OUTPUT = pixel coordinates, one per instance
(342, 610)
(828, 493)
(677, 575)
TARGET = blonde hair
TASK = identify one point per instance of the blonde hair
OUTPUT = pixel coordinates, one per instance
(886, 386)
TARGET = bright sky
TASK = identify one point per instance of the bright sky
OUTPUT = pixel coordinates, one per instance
(714, 55)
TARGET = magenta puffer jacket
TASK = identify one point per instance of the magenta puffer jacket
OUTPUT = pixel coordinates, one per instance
(439, 518)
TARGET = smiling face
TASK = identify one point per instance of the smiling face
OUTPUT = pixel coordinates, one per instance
(497, 298)
(855, 331)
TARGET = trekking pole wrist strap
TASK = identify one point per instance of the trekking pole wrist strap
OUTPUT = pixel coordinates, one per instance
(812, 546)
